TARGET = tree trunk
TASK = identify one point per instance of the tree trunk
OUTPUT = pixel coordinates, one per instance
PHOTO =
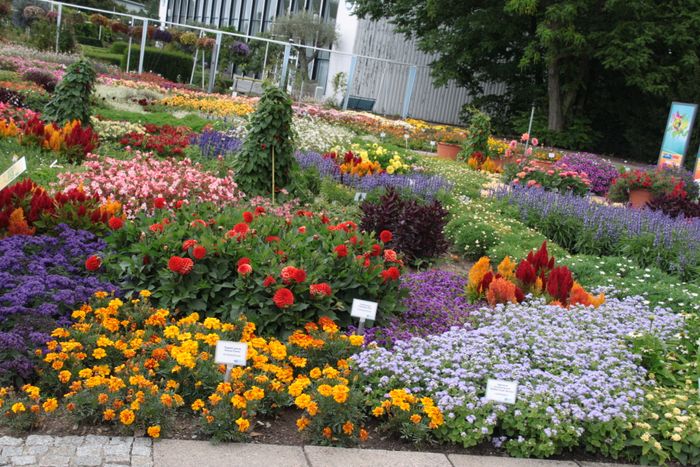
(556, 115)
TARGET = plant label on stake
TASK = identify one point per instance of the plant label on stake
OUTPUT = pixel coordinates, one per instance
(13, 172)
(360, 196)
(365, 310)
(230, 353)
(499, 390)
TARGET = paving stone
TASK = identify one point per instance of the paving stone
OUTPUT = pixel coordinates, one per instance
(146, 461)
(142, 447)
(117, 453)
(94, 439)
(62, 450)
(121, 440)
(39, 440)
(320, 456)
(54, 461)
(70, 440)
(601, 464)
(37, 449)
(85, 461)
(460, 460)
(10, 451)
(89, 450)
(23, 460)
(10, 441)
(180, 453)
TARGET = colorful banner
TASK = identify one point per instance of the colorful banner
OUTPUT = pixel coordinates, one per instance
(677, 134)
(697, 174)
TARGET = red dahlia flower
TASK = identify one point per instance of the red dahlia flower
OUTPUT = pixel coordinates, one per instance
(180, 265)
(269, 280)
(390, 256)
(322, 289)
(391, 274)
(385, 236)
(159, 203)
(245, 269)
(93, 263)
(341, 251)
(243, 260)
(115, 223)
(187, 244)
(157, 227)
(283, 298)
(247, 217)
(199, 252)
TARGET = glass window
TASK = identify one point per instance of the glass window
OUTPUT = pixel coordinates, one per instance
(331, 8)
(314, 6)
(283, 7)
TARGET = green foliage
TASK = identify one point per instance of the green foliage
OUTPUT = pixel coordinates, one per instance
(471, 237)
(119, 47)
(269, 138)
(477, 135)
(43, 36)
(192, 121)
(71, 100)
(175, 66)
(101, 54)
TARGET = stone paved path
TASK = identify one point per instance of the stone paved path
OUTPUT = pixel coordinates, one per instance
(115, 451)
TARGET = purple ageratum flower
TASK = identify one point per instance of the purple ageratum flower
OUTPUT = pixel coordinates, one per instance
(241, 49)
(424, 185)
(572, 368)
(42, 279)
(436, 302)
(216, 143)
(600, 172)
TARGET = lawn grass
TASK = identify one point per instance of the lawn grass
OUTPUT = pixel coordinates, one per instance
(193, 121)
(38, 161)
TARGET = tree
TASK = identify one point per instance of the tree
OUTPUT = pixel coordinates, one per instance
(562, 46)
(305, 28)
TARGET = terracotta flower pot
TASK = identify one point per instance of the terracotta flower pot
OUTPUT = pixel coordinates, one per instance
(448, 150)
(640, 198)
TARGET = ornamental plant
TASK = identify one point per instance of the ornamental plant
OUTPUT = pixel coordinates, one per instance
(145, 179)
(600, 172)
(478, 133)
(71, 99)
(536, 275)
(41, 279)
(281, 273)
(163, 140)
(266, 161)
(556, 179)
(416, 227)
(659, 182)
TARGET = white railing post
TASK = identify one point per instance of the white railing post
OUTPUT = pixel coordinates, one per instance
(214, 62)
(58, 24)
(144, 36)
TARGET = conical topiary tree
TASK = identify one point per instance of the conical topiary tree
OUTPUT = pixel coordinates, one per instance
(71, 99)
(269, 139)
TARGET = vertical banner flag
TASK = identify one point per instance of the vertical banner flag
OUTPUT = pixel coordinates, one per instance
(677, 134)
(697, 169)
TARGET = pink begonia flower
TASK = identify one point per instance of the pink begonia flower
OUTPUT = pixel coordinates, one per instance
(531, 183)
(535, 141)
(528, 152)
(509, 152)
(525, 137)
(550, 172)
(513, 144)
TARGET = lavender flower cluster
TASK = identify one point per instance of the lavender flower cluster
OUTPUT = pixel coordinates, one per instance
(42, 278)
(600, 172)
(576, 378)
(214, 143)
(649, 237)
(435, 303)
(421, 184)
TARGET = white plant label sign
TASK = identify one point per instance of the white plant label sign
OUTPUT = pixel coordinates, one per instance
(360, 196)
(231, 353)
(363, 309)
(499, 390)
(13, 172)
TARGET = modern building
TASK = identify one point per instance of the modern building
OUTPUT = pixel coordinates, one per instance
(389, 70)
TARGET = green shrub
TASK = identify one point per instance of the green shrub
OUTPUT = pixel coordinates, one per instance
(174, 66)
(102, 55)
(71, 100)
(91, 41)
(269, 138)
(470, 237)
(119, 47)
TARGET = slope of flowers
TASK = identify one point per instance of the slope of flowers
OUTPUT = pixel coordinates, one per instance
(41, 279)
(577, 385)
(280, 272)
(582, 226)
(144, 179)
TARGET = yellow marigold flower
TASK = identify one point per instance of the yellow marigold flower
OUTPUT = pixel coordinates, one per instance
(212, 323)
(254, 393)
(348, 428)
(378, 411)
(64, 376)
(99, 353)
(101, 294)
(50, 405)
(415, 418)
(302, 423)
(325, 390)
(302, 401)
(243, 424)
(298, 362)
(145, 293)
(197, 405)
(330, 372)
(171, 332)
(312, 409)
(18, 407)
(357, 340)
(340, 393)
(127, 417)
(239, 402)
(214, 399)
(102, 398)
(154, 431)
(315, 373)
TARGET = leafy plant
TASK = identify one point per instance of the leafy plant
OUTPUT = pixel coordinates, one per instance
(477, 139)
(675, 206)
(71, 100)
(268, 150)
(416, 227)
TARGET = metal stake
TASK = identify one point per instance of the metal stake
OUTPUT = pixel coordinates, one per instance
(529, 127)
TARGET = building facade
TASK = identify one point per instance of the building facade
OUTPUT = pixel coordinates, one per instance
(387, 78)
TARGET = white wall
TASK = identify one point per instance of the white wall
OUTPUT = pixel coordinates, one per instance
(347, 25)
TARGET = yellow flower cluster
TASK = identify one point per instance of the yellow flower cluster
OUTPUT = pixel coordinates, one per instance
(8, 128)
(402, 405)
(218, 106)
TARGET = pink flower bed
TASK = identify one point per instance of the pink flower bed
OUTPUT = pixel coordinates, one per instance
(143, 181)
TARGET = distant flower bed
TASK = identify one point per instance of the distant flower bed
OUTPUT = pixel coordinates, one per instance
(220, 106)
(600, 172)
(214, 143)
(421, 184)
(164, 140)
(41, 279)
(144, 181)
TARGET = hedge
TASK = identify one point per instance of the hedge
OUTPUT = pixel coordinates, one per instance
(168, 64)
(119, 47)
(102, 54)
(92, 41)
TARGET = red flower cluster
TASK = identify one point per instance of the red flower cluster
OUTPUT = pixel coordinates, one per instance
(291, 274)
(283, 298)
(180, 265)
(164, 140)
(93, 263)
(320, 290)
(385, 236)
(391, 274)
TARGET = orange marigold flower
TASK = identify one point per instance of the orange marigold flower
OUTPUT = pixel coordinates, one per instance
(348, 428)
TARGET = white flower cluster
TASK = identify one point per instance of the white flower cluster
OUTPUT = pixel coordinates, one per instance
(112, 130)
(313, 134)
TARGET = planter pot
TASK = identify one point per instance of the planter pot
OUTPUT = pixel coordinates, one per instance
(498, 164)
(640, 198)
(448, 150)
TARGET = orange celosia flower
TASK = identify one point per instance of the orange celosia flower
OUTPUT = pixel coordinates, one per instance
(18, 225)
(478, 271)
(501, 291)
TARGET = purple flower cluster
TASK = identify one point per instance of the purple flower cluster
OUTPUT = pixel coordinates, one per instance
(600, 172)
(572, 369)
(583, 226)
(241, 49)
(435, 303)
(42, 278)
(214, 143)
(420, 184)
